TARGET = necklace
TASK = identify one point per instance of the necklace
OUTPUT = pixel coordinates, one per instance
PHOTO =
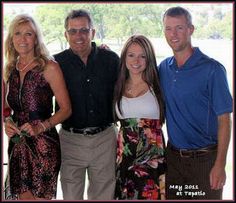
(21, 70)
(136, 89)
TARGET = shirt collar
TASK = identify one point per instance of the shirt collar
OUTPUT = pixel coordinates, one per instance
(92, 53)
(192, 61)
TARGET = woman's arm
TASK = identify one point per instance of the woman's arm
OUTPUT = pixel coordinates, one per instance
(54, 77)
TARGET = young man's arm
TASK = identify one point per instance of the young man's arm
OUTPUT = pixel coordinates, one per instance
(218, 175)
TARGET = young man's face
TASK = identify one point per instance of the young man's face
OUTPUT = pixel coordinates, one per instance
(79, 35)
(178, 32)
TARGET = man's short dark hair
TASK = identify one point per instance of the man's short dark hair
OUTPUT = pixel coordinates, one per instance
(78, 13)
(178, 11)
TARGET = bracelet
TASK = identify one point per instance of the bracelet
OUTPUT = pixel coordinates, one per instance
(44, 128)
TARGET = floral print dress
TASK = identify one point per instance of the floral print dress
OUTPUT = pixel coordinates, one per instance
(140, 161)
(34, 161)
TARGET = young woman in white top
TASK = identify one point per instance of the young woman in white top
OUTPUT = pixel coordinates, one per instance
(139, 107)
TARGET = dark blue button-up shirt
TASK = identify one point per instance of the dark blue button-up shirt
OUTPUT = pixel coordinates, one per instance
(90, 86)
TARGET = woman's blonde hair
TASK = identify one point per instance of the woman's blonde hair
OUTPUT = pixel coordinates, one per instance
(41, 53)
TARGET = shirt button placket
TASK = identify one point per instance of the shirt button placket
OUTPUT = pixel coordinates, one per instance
(174, 80)
(90, 97)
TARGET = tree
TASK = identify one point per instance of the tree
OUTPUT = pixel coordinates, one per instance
(119, 21)
(51, 18)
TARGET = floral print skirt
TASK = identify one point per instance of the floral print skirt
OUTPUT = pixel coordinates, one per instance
(141, 164)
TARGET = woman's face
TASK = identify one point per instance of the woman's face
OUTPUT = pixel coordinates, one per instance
(135, 59)
(24, 39)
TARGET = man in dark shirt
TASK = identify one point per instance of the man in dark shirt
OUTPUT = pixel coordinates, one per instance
(88, 137)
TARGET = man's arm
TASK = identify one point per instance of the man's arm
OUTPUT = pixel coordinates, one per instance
(218, 175)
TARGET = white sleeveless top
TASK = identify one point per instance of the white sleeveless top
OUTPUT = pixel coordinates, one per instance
(144, 106)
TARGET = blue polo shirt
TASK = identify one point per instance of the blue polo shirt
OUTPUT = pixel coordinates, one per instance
(195, 94)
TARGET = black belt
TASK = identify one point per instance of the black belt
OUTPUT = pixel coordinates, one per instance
(88, 130)
(192, 152)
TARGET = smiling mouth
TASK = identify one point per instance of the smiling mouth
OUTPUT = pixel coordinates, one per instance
(79, 42)
(174, 40)
(136, 67)
(22, 45)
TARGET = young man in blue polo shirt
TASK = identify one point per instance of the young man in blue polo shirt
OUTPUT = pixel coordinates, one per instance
(198, 107)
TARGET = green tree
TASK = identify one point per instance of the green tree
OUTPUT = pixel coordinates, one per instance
(227, 25)
(119, 21)
(51, 18)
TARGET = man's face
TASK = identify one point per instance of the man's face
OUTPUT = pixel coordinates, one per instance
(79, 35)
(178, 32)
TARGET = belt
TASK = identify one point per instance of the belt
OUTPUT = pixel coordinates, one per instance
(88, 130)
(192, 152)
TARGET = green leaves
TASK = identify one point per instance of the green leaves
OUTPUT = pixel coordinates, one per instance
(18, 138)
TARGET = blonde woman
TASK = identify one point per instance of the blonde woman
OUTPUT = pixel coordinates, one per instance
(32, 79)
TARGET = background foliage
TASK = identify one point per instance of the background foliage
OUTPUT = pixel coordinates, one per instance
(115, 22)
(118, 21)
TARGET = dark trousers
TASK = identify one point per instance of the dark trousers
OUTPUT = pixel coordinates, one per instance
(188, 177)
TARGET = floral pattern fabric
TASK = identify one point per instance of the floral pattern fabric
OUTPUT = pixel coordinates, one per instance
(34, 161)
(141, 163)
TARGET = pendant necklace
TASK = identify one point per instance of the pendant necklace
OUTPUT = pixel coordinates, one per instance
(20, 70)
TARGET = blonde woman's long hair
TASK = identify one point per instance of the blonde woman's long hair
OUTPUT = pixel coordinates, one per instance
(41, 53)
